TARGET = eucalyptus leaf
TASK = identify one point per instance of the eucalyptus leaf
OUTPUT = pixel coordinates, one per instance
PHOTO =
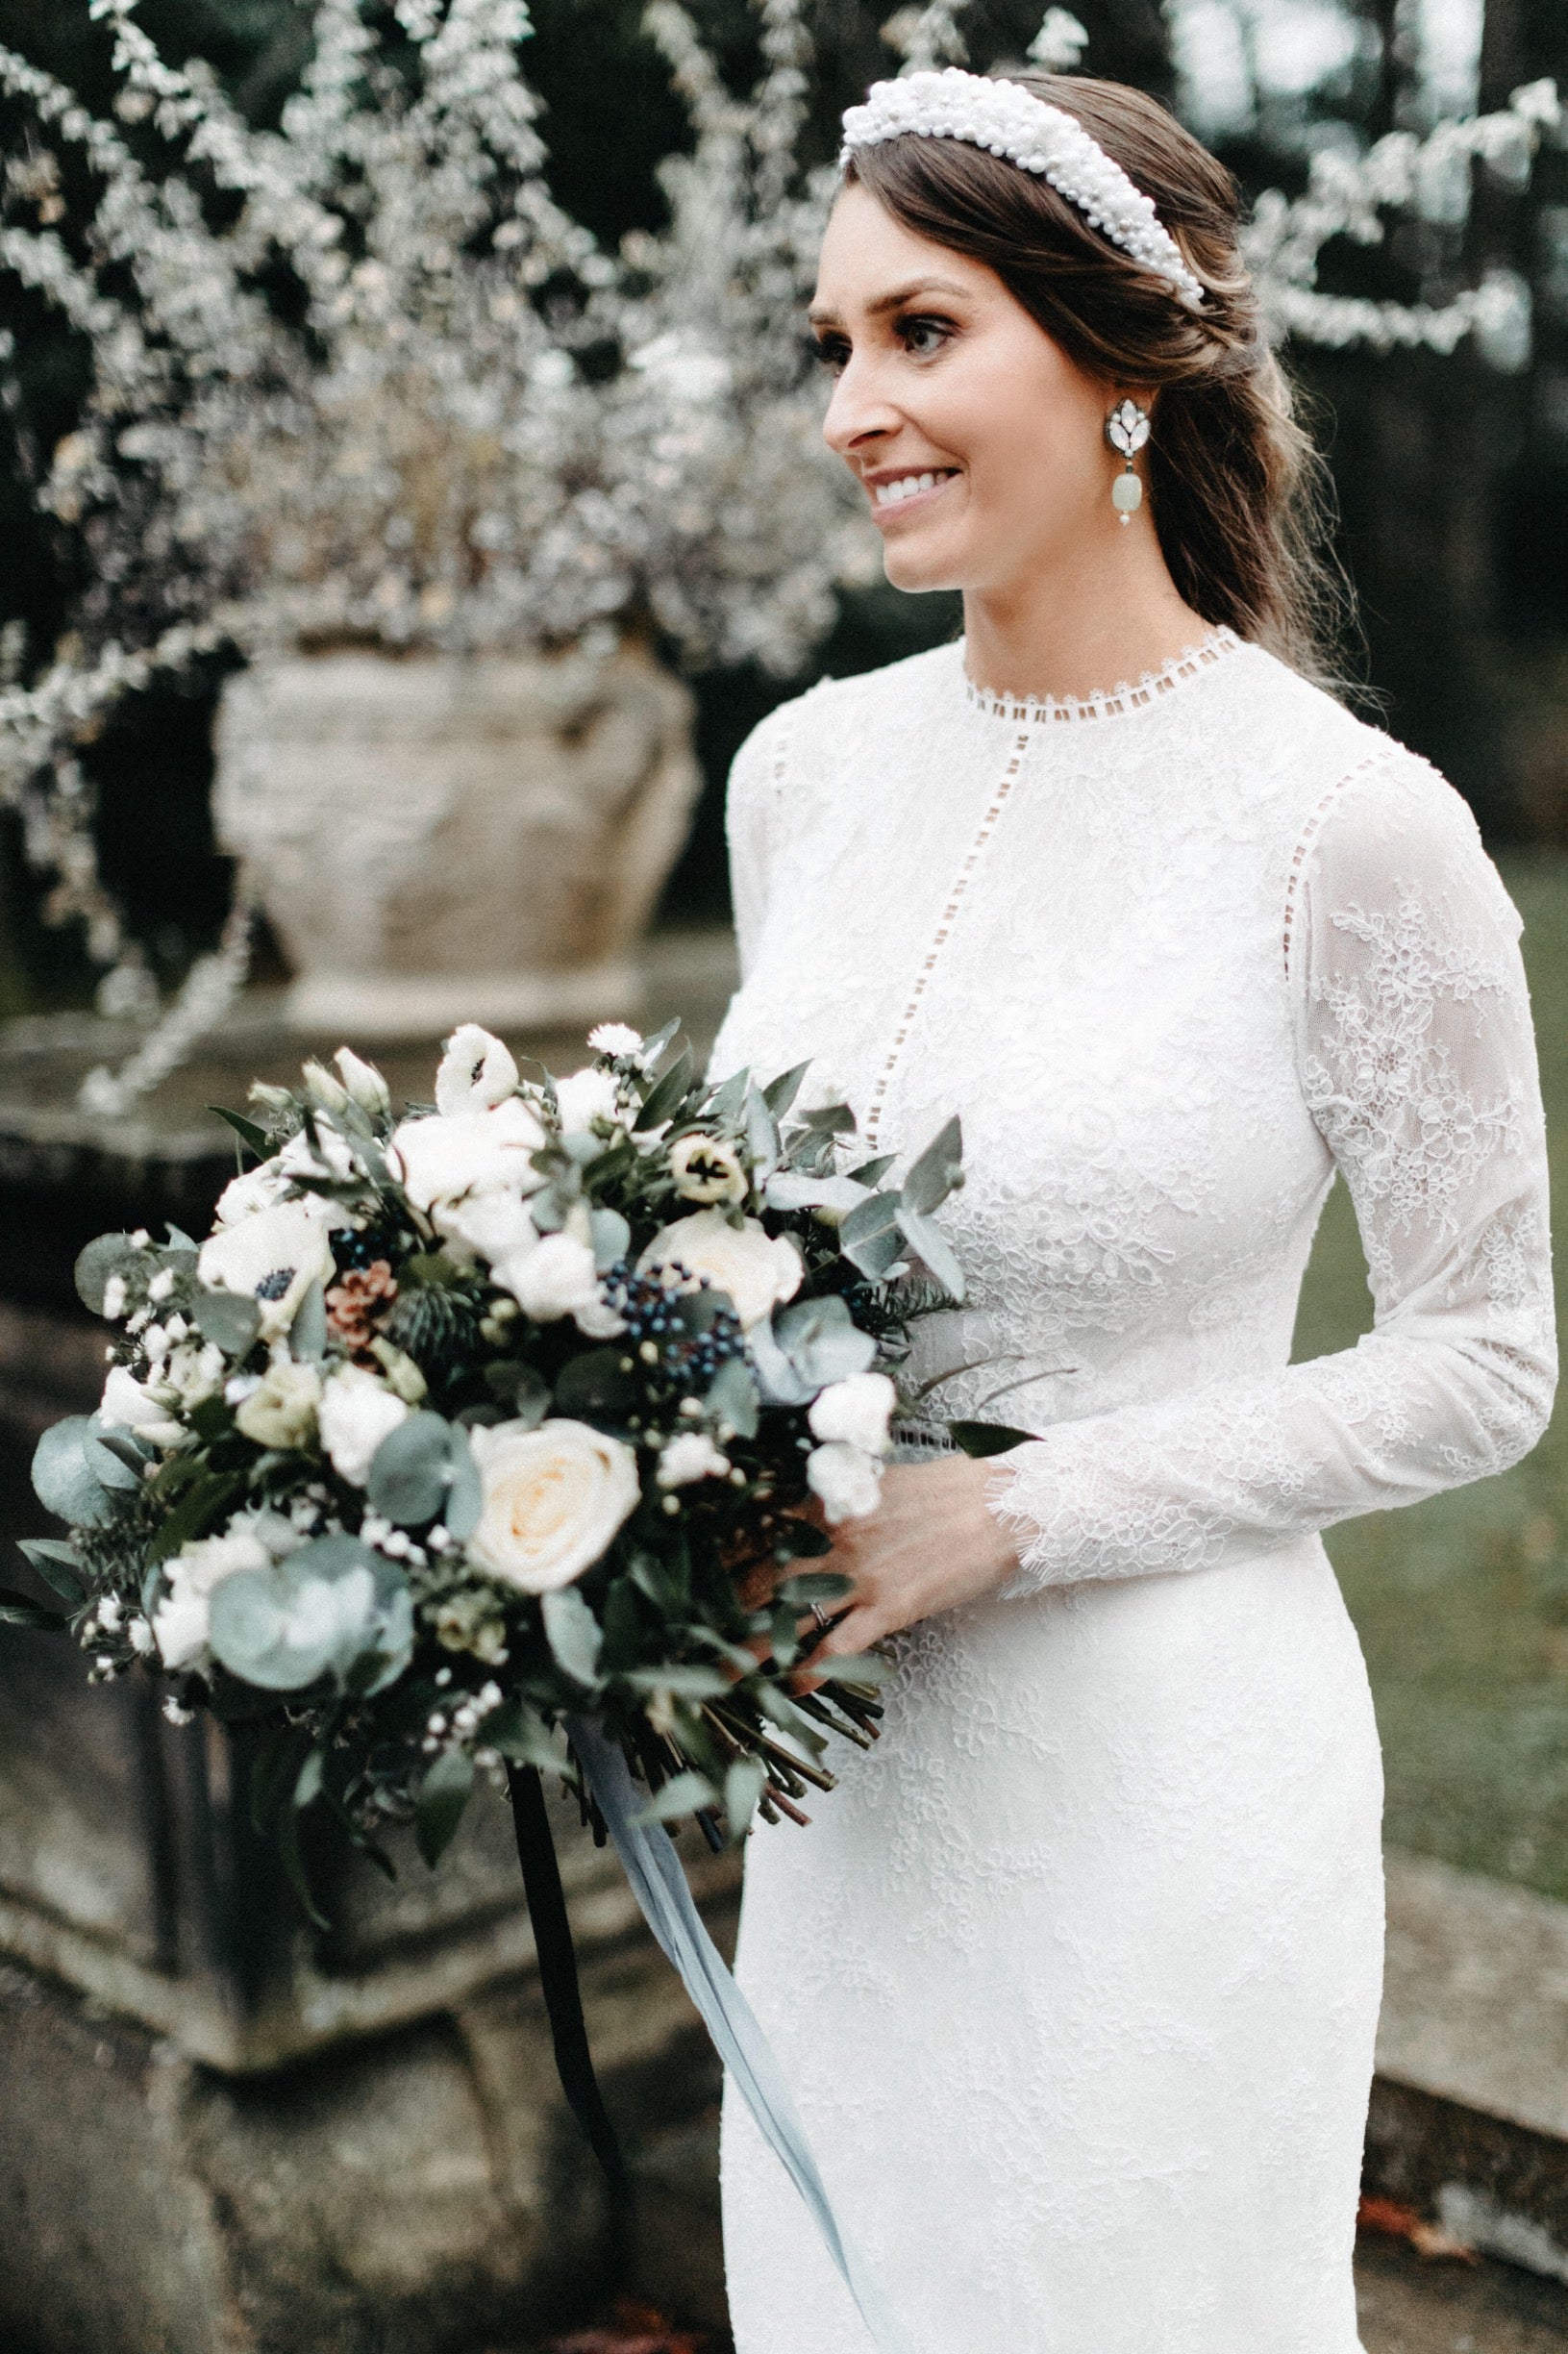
(126, 1452)
(320, 1611)
(682, 1795)
(938, 1172)
(727, 1102)
(781, 1093)
(611, 1238)
(108, 1255)
(742, 1789)
(520, 1388)
(822, 1341)
(57, 1565)
(924, 1236)
(444, 1795)
(762, 1132)
(872, 1215)
(833, 1119)
(231, 1318)
(732, 1397)
(869, 1171)
(409, 1470)
(465, 1492)
(788, 1189)
(73, 1476)
(573, 1634)
(307, 1333)
(986, 1438)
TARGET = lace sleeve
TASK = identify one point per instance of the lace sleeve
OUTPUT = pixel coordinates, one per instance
(1417, 1059)
(756, 777)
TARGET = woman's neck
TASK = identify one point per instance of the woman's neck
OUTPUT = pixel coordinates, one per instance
(1074, 631)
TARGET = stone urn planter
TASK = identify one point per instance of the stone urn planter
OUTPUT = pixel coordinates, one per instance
(439, 840)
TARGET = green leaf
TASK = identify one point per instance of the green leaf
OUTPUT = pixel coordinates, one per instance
(938, 1172)
(16, 1610)
(74, 1477)
(307, 1788)
(276, 1757)
(307, 1333)
(410, 1469)
(924, 1236)
(294, 1866)
(986, 1438)
(781, 1093)
(248, 1132)
(732, 1397)
(799, 1540)
(231, 1318)
(742, 1789)
(108, 1255)
(521, 1734)
(869, 1171)
(334, 1607)
(683, 1794)
(875, 1215)
(822, 1341)
(200, 1505)
(664, 1098)
(521, 1388)
(57, 1565)
(724, 1105)
(593, 1388)
(831, 1119)
(465, 1492)
(573, 1634)
(809, 1585)
(622, 1626)
(611, 1238)
(125, 1451)
(690, 1682)
(443, 1794)
(781, 1632)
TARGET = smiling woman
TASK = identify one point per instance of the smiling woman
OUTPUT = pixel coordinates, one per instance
(1076, 1980)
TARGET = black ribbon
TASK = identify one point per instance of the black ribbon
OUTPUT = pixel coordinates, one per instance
(558, 1975)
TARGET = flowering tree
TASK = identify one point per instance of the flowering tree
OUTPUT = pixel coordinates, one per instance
(363, 378)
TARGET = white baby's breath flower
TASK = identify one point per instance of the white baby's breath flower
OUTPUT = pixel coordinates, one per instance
(690, 1455)
(554, 1498)
(476, 1072)
(194, 1373)
(856, 1411)
(756, 1268)
(847, 1479)
(115, 1298)
(356, 1414)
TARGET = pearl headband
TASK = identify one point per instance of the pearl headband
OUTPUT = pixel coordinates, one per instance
(1009, 120)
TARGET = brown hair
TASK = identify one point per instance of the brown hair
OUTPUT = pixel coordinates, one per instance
(1238, 492)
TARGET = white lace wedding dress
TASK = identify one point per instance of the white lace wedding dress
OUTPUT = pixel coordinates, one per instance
(1075, 1975)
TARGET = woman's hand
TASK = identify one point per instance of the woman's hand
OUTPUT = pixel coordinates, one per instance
(931, 1545)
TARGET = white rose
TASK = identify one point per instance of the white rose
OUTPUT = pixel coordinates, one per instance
(558, 1278)
(128, 1404)
(181, 1621)
(356, 1414)
(476, 1073)
(445, 1156)
(756, 1268)
(689, 1456)
(258, 1189)
(554, 1498)
(847, 1479)
(281, 1410)
(273, 1256)
(494, 1224)
(856, 1411)
(586, 1096)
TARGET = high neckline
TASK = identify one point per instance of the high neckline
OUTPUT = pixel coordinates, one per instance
(1113, 702)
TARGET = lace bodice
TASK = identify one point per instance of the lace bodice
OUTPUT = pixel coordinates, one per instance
(1174, 954)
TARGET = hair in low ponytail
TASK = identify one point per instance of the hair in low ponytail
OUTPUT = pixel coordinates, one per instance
(1238, 493)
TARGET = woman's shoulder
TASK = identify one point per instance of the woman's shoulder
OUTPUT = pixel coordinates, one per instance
(837, 711)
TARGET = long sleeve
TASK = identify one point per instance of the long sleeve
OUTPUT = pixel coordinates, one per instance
(1416, 1061)
(747, 816)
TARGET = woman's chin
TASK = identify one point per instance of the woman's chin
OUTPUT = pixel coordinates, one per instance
(916, 569)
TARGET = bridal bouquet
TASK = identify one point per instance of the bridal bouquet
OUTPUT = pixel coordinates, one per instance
(460, 1425)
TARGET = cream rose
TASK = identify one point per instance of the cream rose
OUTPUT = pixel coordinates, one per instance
(554, 1498)
(757, 1269)
(356, 1414)
(281, 1410)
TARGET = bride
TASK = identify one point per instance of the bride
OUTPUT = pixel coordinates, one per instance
(1076, 1976)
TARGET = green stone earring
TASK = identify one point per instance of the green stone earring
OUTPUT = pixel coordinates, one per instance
(1127, 430)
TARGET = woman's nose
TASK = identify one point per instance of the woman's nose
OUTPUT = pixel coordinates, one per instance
(860, 408)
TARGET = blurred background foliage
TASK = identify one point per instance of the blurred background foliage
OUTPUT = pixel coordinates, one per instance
(1453, 481)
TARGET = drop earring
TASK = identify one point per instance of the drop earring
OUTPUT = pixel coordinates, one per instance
(1127, 430)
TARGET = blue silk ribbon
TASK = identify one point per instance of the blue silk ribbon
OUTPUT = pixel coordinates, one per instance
(660, 1885)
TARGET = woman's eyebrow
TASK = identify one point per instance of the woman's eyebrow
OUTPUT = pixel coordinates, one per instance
(893, 301)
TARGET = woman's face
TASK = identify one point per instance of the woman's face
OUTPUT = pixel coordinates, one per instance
(981, 444)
